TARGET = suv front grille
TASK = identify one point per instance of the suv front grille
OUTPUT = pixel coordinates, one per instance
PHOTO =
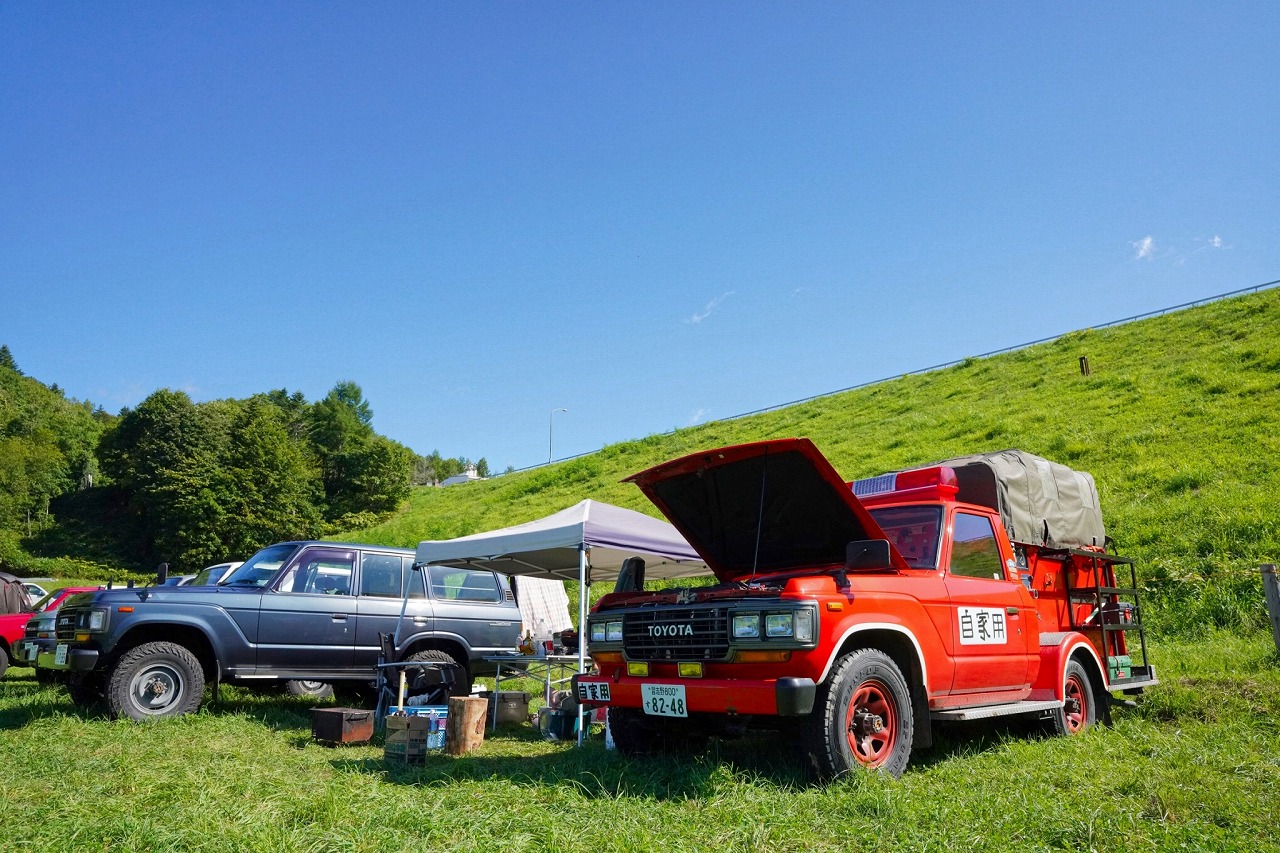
(65, 627)
(690, 634)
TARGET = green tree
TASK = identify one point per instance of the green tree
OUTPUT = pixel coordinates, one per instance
(267, 483)
(164, 456)
(46, 446)
(360, 470)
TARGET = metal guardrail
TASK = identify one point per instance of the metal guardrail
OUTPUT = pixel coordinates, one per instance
(1157, 313)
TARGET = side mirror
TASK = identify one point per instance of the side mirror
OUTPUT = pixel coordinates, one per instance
(162, 574)
(867, 554)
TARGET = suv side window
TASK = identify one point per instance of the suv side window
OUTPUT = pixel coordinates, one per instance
(324, 571)
(381, 575)
(471, 585)
(974, 552)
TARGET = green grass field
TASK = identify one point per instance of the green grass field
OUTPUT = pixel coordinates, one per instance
(1193, 767)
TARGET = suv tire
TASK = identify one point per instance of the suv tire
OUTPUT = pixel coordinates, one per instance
(862, 717)
(154, 680)
(309, 689)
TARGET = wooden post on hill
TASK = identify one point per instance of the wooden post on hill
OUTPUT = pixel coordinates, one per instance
(464, 730)
(1271, 589)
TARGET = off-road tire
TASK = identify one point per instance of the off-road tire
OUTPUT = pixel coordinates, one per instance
(84, 688)
(862, 718)
(463, 685)
(154, 680)
(1083, 707)
(4, 661)
(636, 734)
(309, 689)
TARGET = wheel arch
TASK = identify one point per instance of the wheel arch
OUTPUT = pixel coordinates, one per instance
(904, 650)
(190, 637)
(454, 648)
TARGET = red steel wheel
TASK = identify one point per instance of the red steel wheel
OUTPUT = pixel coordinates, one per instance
(862, 718)
(872, 723)
(1080, 706)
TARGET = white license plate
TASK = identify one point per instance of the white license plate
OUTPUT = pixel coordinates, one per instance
(60, 654)
(664, 700)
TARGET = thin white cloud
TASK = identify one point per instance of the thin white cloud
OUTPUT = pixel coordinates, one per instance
(1146, 248)
(710, 309)
(697, 417)
(1215, 241)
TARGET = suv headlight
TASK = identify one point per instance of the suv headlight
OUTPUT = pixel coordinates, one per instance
(780, 625)
(746, 626)
(606, 632)
(97, 620)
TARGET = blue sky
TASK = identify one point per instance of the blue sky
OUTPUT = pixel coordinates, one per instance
(649, 214)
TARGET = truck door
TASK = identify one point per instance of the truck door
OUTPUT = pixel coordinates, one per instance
(994, 632)
(308, 619)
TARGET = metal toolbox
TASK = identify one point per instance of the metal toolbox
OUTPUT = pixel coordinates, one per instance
(341, 725)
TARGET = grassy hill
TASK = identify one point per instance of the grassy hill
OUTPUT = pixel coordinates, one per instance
(1176, 420)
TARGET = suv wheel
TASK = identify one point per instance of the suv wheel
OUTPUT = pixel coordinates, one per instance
(861, 717)
(462, 687)
(155, 680)
(309, 689)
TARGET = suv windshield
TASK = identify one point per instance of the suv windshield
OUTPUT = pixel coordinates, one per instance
(261, 567)
(913, 530)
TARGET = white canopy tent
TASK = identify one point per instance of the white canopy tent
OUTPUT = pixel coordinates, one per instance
(588, 543)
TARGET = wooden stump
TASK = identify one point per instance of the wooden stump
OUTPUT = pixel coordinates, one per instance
(464, 731)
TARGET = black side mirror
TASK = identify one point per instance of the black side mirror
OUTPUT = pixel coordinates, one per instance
(867, 554)
(162, 574)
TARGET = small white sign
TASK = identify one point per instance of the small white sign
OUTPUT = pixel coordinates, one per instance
(60, 654)
(593, 691)
(982, 626)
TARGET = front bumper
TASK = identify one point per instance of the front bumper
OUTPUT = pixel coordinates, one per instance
(772, 697)
(78, 660)
(25, 652)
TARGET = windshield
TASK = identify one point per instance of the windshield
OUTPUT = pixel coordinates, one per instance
(913, 530)
(261, 567)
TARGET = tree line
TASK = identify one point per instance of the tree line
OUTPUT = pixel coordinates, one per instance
(196, 483)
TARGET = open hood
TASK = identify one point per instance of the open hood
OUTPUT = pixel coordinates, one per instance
(771, 506)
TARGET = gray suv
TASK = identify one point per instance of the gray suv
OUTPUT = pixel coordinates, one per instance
(296, 613)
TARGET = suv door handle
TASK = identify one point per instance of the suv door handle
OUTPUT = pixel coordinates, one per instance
(339, 617)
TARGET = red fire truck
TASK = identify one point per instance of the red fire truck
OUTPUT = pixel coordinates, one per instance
(853, 615)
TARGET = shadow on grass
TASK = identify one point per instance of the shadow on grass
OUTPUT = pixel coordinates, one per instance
(595, 772)
(34, 701)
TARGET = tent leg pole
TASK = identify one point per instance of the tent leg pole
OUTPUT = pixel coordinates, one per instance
(582, 627)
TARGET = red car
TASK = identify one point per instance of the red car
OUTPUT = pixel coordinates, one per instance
(13, 626)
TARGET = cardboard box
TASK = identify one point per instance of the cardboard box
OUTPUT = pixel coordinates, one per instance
(411, 736)
(513, 706)
(341, 725)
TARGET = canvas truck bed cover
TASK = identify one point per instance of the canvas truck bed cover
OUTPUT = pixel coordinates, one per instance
(1041, 502)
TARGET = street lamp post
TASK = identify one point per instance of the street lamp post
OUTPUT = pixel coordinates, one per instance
(550, 421)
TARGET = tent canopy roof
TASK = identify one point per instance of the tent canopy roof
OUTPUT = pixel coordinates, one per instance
(549, 547)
